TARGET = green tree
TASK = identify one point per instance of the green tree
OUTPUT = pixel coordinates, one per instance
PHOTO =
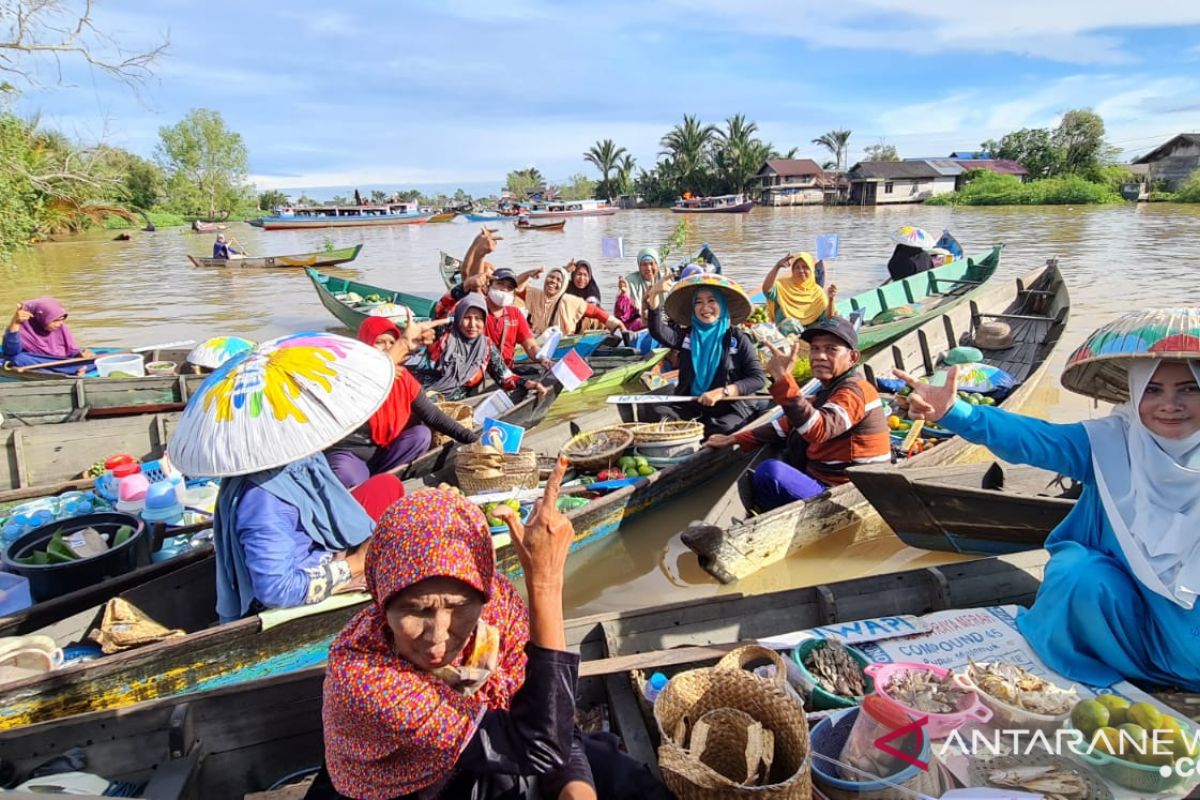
(882, 151)
(625, 174)
(658, 186)
(522, 182)
(837, 142)
(604, 155)
(687, 148)
(1032, 148)
(272, 197)
(378, 197)
(578, 187)
(1079, 137)
(206, 164)
(738, 154)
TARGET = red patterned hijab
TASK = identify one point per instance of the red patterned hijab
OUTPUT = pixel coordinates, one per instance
(392, 728)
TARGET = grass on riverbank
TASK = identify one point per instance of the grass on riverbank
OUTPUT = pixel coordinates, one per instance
(160, 219)
(990, 189)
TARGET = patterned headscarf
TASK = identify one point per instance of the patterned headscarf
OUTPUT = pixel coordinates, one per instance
(392, 728)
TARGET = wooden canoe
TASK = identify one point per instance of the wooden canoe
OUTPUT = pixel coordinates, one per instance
(10, 374)
(329, 287)
(548, 225)
(247, 737)
(325, 258)
(441, 216)
(68, 399)
(978, 509)
(200, 226)
(731, 546)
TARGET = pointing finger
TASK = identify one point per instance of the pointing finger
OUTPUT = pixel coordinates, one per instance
(909, 379)
(554, 484)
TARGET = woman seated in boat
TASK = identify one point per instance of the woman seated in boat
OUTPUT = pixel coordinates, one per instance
(1118, 600)
(718, 361)
(633, 287)
(554, 306)
(223, 249)
(842, 426)
(506, 325)
(38, 334)
(796, 300)
(447, 685)
(458, 361)
(402, 429)
(583, 285)
(907, 261)
(293, 535)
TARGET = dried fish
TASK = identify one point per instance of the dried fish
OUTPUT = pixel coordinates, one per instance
(1016, 686)
(924, 691)
(1054, 783)
(836, 670)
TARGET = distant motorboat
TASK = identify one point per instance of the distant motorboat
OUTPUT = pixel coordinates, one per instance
(720, 204)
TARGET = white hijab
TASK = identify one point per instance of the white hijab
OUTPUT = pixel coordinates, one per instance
(1150, 487)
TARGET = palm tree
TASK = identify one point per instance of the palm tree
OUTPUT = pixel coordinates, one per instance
(836, 142)
(687, 147)
(737, 152)
(604, 157)
(625, 174)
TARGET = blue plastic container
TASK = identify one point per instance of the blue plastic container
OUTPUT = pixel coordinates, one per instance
(14, 594)
(829, 737)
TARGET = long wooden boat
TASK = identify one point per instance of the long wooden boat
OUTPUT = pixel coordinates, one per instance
(24, 403)
(325, 258)
(251, 736)
(731, 546)
(485, 217)
(723, 204)
(344, 217)
(570, 208)
(199, 226)
(441, 216)
(978, 509)
(176, 355)
(332, 291)
(541, 225)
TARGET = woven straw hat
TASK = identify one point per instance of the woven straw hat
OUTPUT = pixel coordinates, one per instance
(993, 335)
(678, 304)
(1099, 368)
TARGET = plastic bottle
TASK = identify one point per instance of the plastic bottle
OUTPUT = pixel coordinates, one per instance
(180, 488)
(654, 686)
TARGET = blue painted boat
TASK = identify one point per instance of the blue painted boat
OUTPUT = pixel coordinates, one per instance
(486, 217)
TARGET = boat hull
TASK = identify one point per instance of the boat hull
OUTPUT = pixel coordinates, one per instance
(594, 212)
(352, 318)
(328, 258)
(542, 226)
(740, 208)
(292, 223)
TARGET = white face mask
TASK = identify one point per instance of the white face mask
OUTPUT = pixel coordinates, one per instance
(500, 297)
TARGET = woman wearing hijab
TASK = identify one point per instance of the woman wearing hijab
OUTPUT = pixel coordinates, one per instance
(38, 333)
(399, 432)
(283, 536)
(796, 297)
(1119, 596)
(554, 306)
(907, 261)
(717, 359)
(583, 285)
(446, 686)
(457, 362)
(634, 287)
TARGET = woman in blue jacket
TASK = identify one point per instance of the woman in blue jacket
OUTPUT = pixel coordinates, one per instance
(1119, 596)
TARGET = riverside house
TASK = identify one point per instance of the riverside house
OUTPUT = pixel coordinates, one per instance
(1172, 162)
(789, 182)
(886, 182)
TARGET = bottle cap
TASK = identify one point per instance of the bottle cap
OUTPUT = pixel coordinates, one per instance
(658, 681)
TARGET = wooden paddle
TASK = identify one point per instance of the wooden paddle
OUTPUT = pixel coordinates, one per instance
(241, 248)
(84, 359)
(657, 399)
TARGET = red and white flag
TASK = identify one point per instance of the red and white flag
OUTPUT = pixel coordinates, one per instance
(571, 371)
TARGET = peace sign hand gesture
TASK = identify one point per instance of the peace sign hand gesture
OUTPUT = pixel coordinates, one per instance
(542, 544)
(927, 401)
(782, 363)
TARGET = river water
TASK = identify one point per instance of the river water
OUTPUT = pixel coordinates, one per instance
(145, 292)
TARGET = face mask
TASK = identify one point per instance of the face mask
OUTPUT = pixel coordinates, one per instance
(500, 297)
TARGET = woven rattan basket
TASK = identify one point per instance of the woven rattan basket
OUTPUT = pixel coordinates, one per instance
(461, 413)
(596, 450)
(761, 716)
(664, 431)
(480, 468)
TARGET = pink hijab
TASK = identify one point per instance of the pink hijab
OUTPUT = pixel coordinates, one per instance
(36, 337)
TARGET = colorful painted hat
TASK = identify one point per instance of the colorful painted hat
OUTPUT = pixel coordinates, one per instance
(914, 237)
(678, 304)
(1099, 368)
(286, 399)
(217, 351)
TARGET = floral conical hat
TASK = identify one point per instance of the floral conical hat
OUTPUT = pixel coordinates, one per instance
(678, 304)
(1099, 367)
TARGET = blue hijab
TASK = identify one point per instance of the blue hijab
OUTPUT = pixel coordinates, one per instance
(329, 515)
(708, 344)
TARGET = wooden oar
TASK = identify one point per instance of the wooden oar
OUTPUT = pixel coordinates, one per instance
(84, 359)
(656, 399)
(241, 248)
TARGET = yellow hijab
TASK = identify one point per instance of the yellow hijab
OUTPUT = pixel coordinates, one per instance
(804, 302)
(560, 309)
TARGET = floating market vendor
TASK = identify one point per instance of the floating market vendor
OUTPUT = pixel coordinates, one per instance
(400, 431)
(457, 361)
(583, 285)
(633, 288)
(718, 360)
(505, 324)
(223, 249)
(1119, 596)
(842, 426)
(38, 333)
(446, 685)
(554, 306)
(797, 297)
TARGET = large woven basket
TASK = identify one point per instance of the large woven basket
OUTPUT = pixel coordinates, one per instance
(461, 413)
(664, 431)
(480, 468)
(596, 450)
(753, 727)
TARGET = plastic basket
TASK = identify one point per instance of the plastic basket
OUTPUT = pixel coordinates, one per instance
(612, 442)
(1139, 777)
(970, 708)
(823, 699)
(1006, 716)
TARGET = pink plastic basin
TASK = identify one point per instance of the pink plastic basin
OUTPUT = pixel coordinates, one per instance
(938, 726)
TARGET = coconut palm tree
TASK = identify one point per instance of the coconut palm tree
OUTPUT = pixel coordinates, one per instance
(837, 143)
(625, 174)
(687, 146)
(736, 152)
(604, 156)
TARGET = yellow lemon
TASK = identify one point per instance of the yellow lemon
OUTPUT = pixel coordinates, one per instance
(1133, 741)
(1105, 740)
(1144, 714)
(1089, 716)
(1117, 708)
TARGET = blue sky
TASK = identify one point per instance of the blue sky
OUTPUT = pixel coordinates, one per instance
(459, 92)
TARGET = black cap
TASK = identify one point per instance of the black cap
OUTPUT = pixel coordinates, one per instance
(505, 274)
(834, 326)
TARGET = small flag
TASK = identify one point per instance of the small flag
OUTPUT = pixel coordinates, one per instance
(571, 371)
(495, 405)
(827, 246)
(612, 247)
(504, 435)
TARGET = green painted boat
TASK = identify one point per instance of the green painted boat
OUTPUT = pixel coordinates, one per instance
(324, 258)
(332, 291)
